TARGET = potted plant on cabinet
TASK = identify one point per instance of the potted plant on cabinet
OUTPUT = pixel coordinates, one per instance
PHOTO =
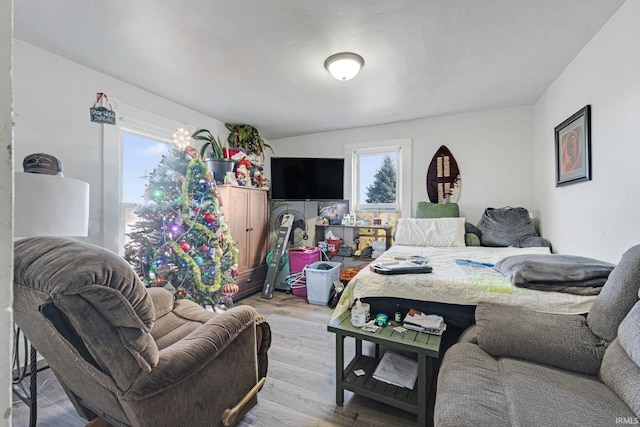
(247, 138)
(215, 160)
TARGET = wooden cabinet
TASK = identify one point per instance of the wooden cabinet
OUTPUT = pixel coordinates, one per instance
(247, 211)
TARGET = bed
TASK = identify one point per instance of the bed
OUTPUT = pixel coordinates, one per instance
(461, 277)
(453, 288)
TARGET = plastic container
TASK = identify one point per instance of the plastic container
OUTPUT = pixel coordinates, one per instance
(333, 246)
(299, 289)
(320, 281)
(299, 258)
(358, 315)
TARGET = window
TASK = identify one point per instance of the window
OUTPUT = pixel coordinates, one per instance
(378, 171)
(140, 155)
(131, 149)
(376, 178)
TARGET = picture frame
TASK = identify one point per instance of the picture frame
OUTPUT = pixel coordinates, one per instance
(333, 210)
(573, 148)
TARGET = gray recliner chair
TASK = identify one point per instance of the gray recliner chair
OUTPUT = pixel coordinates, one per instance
(517, 367)
(131, 355)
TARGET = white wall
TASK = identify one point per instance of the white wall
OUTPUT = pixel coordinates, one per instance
(52, 100)
(598, 218)
(493, 150)
(6, 206)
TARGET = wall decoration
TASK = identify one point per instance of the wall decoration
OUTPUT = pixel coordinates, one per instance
(443, 177)
(573, 148)
(101, 114)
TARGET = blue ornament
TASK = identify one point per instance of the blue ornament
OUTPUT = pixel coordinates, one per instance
(198, 260)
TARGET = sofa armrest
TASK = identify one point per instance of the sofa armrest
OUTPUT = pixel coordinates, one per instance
(562, 341)
(162, 300)
(263, 341)
(469, 335)
(183, 358)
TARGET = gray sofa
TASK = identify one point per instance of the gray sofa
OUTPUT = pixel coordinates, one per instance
(521, 368)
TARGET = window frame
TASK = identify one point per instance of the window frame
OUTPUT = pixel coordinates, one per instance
(134, 121)
(402, 148)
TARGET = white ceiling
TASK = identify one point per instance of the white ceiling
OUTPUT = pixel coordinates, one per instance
(261, 62)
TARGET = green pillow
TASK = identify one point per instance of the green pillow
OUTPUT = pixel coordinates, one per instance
(471, 239)
(437, 210)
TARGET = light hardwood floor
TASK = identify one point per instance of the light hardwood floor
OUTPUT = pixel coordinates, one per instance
(300, 386)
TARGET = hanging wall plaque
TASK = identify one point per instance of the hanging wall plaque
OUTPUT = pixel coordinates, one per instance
(443, 177)
(101, 114)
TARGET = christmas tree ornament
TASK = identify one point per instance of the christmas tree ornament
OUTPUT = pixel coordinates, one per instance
(209, 218)
(198, 260)
(182, 138)
(185, 246)
(230, 289)
(223, 303)
(205, 249)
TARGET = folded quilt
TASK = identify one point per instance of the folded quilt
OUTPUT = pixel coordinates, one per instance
(560, 273)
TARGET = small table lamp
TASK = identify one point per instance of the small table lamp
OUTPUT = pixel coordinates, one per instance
(47, 204)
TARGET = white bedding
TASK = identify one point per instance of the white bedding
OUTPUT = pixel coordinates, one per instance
(458, 284)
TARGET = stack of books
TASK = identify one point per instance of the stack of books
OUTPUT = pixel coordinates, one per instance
(429, 323)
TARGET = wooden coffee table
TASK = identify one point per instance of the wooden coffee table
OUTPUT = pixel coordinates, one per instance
(426, 346)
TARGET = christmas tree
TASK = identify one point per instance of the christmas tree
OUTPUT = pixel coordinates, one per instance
(182, 239)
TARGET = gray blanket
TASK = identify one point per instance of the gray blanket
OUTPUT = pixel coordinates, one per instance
(559, 273)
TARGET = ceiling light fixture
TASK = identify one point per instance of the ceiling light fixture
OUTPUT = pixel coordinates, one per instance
(344, 65)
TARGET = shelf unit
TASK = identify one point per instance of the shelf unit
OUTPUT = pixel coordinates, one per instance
(376, 232)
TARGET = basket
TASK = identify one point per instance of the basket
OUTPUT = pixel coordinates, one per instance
(320, 282)
(300, 257)
(333, 246)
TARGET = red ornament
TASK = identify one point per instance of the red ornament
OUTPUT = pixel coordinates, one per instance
(204, 249)
(184, 246)
(234, 272)
(209, 217)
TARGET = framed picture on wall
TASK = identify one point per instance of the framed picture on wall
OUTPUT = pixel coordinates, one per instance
(573, 148)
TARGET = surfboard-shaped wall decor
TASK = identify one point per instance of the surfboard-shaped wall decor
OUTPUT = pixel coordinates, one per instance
(443, 177)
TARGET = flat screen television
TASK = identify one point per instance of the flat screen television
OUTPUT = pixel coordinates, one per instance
(302, 178)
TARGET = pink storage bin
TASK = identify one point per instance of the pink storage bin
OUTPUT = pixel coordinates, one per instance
(299, 289)
(301, 257)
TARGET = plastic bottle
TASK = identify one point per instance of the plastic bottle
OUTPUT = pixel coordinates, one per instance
(358, 315)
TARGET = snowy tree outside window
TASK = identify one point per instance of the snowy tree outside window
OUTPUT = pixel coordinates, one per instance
(376, 177)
